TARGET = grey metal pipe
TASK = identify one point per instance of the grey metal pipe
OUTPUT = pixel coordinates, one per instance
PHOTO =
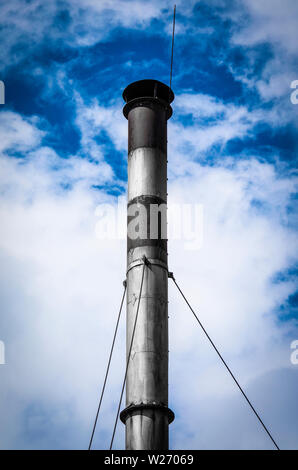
(147, 415)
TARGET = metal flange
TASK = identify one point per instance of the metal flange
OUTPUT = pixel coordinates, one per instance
(129, 410)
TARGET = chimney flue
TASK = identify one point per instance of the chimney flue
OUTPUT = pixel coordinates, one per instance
(147, 415)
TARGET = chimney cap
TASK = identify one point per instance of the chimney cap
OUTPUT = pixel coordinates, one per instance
(148, 89)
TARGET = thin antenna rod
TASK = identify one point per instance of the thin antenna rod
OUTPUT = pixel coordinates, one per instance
(173, 34)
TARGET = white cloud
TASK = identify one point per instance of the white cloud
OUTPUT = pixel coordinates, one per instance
(273, 23)
(214, 123)
(18, 133)
(79, 22)
(95, 118)
(229, 283)
(51, 293)
(61, 288)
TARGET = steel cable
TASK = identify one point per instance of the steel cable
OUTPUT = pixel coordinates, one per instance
(225, 364)
(128, 356)
(108, 368)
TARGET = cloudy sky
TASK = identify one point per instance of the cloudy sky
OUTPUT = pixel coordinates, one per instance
(63, 152)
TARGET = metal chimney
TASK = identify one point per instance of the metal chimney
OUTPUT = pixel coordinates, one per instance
(147, 415)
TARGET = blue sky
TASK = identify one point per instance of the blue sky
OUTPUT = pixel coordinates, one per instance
(232, 148)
